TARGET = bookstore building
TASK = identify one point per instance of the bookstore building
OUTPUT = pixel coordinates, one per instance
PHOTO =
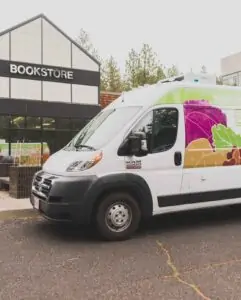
(49, 89)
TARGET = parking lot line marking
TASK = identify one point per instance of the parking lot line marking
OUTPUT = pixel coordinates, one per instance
(176, 274)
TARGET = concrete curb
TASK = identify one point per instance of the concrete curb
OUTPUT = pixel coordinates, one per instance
(18, 214)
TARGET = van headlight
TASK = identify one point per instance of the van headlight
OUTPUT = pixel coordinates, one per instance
(80, 165)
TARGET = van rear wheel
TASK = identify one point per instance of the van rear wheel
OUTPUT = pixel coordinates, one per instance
(118, 216)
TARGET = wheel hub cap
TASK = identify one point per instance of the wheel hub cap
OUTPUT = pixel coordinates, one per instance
(118, 217)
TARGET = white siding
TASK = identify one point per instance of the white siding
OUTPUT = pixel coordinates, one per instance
(4, 46)
(4, 54)
(231, 64)
(26, 43)
(84, 94)
(25, 89)
(56, 47)
(4, 87)
(82, 61)
(26, 47)
(58, 92)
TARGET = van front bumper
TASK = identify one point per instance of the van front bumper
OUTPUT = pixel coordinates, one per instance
(60, 198)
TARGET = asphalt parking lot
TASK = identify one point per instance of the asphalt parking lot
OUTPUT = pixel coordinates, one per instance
(194, 255)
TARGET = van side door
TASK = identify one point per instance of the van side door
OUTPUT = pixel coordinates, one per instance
(211, 174)
(161, 167)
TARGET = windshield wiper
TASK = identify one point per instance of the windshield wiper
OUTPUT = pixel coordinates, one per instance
(84, 146)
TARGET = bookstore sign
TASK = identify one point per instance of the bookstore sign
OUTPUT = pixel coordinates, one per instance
(48, 73)
(41, 71)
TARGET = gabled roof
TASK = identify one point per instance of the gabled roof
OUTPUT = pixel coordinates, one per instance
(42, 16)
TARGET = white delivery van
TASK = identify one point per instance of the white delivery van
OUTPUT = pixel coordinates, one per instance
(168, 147)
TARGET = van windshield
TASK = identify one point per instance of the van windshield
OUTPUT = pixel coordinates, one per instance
(102, 128)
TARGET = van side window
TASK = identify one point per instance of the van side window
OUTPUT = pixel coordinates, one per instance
(145, 126)
(164, 131)
(160, 127)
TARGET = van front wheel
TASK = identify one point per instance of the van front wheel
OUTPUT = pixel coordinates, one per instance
(118, 216)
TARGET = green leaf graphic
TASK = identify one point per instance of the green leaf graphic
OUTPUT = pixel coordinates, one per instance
(225, 137)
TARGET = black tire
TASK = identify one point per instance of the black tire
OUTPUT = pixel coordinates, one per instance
(119, 199)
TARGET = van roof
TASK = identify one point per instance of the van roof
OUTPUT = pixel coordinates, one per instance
(177, 93)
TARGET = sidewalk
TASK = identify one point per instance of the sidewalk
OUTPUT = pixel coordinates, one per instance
(8, 203)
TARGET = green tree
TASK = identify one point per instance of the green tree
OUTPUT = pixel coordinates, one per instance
(85, 42)
(160, 74)
(150, 69)
(142, 68)
(172, 71)
(132, 68)
(219, 80)
(112, 76)
(148, 65)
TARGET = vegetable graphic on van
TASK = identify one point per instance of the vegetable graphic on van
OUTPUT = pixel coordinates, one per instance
(209, 142)
(200, 117)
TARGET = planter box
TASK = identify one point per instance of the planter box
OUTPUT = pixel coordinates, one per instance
(4, 169)
(5, 163)
(21, 180)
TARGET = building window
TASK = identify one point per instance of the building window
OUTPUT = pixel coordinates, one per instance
(232, 79)
(30, 140)
(4, 136)
(33, 123)
(49, 123)
(62, 139)
(63, 123)
(17, 122)
(78, 124)
(26, 146)
(235, 80)
(4, 122)
(238, 78)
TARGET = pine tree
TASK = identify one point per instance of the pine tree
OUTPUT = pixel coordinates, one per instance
(132, 68)
(142, 68)
(84, 41)
(112, 76)
(172, 71)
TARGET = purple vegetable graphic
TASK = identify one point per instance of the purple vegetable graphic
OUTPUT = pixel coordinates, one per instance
(200, 117)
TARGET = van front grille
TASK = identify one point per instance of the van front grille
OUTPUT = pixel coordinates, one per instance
(42, 184)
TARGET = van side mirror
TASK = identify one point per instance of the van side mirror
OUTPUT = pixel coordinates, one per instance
(134, 144)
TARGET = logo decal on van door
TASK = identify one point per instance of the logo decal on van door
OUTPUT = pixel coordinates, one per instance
(133, 164)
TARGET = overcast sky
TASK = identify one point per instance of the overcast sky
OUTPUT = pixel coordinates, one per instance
(188, 33)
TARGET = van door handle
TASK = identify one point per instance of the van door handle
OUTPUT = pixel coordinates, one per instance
(178, 158)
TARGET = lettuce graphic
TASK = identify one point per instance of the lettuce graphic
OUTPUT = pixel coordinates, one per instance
(200, 117)
(224, 137)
